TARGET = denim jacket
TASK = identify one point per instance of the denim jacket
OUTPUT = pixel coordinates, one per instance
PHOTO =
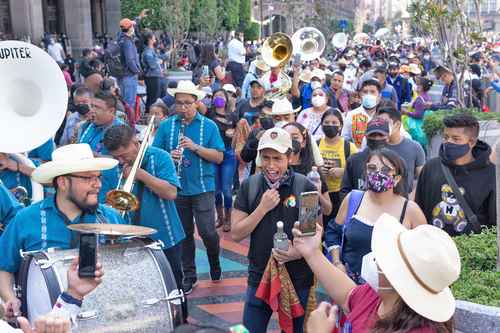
(150, 63)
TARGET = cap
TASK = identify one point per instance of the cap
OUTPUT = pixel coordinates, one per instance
(259, 82)
(126, 23)
(229, 88)
(277, 139)
(377, 125)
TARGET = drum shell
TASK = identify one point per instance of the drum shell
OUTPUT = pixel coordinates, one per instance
(134, 274)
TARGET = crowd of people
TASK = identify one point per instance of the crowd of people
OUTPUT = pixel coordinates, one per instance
(232, 150)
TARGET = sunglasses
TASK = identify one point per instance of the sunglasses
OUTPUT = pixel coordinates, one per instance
(372, 167)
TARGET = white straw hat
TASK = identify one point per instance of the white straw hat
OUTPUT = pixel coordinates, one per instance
(420, 264)
(281, 107)
(186, 87)
(70, 159)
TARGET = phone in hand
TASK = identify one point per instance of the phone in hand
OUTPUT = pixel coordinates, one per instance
(205, 71)
(87, 255)
(296, 59)
(308, 212)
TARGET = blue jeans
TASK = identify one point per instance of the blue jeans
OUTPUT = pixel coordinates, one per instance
(128, 87)
(224, 175)
(257, 313)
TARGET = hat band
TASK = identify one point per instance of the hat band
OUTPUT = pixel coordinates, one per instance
(407, 263)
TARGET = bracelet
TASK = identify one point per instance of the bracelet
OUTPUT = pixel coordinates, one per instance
(66, 297)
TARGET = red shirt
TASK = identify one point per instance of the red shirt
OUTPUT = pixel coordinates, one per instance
(363, 303)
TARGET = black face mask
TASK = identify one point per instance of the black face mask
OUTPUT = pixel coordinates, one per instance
(82, 109)
(266, 123)
(342, 67)
(331, 131)
(295, 146)
(354, 105)
(374, 144)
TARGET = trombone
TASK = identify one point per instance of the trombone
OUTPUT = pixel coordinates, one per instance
(122, 198)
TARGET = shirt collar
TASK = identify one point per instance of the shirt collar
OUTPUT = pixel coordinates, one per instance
(50, 204)
(197, 117)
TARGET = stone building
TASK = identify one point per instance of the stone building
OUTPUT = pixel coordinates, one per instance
(79, 20)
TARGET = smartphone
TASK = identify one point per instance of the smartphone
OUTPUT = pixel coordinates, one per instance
(308, 212)
(205, 71)
(87, 255)
(296, 59)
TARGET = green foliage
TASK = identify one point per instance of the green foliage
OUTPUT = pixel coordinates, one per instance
(479, 282)
(252, 32)
(245, 14)
(204, 17)
(229, 13)
(433, 121)
(367, 28)
(335, 27)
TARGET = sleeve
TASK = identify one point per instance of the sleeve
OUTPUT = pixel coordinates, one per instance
(492, 208)
(241, 203)
(10, 246)
(43, 152)
(347, 184)
(419, 108)
(150, 60)
(8, 205)
(347, 128)
(160, 141)
(249, 151)
(333, 233)
(421, 189)
(395, 98)
(359, 295)
(496, 85)
(215, 139)
(166, 169)
(129, 53)
(420, 157)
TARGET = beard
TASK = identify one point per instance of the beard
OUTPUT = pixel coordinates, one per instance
(83, 204)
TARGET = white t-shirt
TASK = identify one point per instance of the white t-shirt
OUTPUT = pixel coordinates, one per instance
(56, 50)
(236, 51)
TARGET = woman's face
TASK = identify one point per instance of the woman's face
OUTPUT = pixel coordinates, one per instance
(331, 120)
(295, 134)
(220, 94)
(378, 163)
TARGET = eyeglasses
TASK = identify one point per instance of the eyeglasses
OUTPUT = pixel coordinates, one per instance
(371, 167)
(87, 179)
(183, 105)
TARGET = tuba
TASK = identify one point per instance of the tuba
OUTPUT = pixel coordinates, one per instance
(34, 101)
(276, 52)
(339, 40)
(309, 42)
(122, 198)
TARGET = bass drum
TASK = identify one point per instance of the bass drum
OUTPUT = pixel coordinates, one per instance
(138, 292)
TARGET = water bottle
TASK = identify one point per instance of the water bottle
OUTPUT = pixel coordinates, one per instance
(314, 176)
(280, 239)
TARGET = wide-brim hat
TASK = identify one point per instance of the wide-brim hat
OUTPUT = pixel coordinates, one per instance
(281, 107)
(415, 69)
(420, 264)
(186, 87)
(71, 159)
(261, 64)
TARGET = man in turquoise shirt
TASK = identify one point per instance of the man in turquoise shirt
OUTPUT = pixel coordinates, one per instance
(103, 115)
(75, 174)
(43, 153)
(8, 207)
(14, 173)
(196, 145)
(156, 184)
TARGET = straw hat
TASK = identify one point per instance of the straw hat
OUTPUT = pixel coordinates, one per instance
(71, 159)
(261, 64)
(186, 87)
(281, 107)
(415, 69)
(420, 264)
(319, 73)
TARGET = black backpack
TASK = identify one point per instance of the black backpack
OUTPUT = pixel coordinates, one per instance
(113, 60)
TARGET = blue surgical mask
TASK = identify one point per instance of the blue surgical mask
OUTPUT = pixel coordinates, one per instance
(452, 151)
(369, 101)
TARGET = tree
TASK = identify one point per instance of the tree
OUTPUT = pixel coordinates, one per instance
(252, 32)
(456, 33)
(245, 14)
(204, 17)
(229, 11)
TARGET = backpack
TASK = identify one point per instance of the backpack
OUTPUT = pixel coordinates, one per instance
(113, 60)
(299, 184)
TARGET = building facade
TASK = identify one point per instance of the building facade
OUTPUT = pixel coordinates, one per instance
(79, 20)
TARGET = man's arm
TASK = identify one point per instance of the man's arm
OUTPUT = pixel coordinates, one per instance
(6, 286)
(160, 187)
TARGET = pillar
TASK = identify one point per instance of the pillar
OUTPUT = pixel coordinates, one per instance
(112, 10)
(27, 19)
(78, 25)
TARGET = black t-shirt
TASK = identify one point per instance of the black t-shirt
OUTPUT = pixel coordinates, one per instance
(261, 238)
(224, 122)
(245, 110)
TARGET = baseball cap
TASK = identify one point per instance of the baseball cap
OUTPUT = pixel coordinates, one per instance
(277, 139)
(377, 125)
(229, 88)
(259, 82)
(126, 23)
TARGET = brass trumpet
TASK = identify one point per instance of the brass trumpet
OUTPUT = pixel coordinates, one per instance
(122, 198)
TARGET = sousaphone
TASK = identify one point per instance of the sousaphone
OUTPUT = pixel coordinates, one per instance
(33, 101)
(309, 42)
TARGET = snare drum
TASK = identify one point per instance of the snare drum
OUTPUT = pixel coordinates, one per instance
(138, 292)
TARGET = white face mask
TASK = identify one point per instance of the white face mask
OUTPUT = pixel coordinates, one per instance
(369, 101)
(369, 272)
(315, 85)
(318, 100)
